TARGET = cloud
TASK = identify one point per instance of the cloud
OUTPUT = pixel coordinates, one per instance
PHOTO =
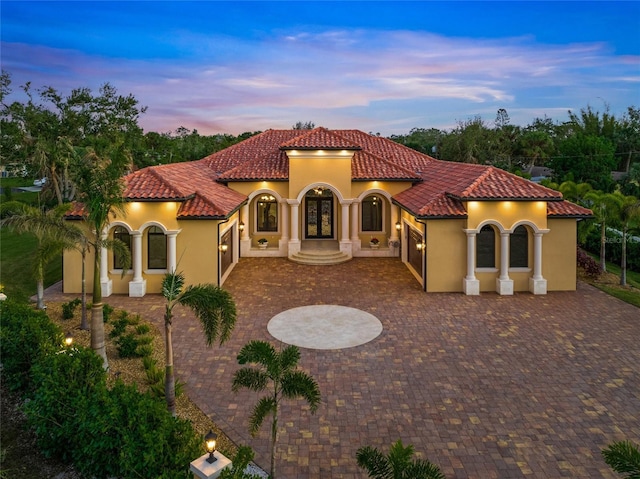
(222, 82)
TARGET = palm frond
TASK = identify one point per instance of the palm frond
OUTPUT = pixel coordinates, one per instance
(172, 284)
(289, 358)
(423, 469)
(374, 462)
(250, 378)
(265, 406)
(257, 352)
(215, 309)
(298, 384)
(624, 458)
(400, 456)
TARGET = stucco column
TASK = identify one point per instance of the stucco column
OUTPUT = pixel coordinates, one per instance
(105, 283)
(504, 285)
(138, 286)
(394, 219)
(171, 251)
(284, 212)
(354, 221)
(345, 222)
(470, 284)
(537, 284)
(294, 241)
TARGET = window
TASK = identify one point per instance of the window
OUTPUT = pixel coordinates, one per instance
(267, 213)
(486, 248)
(372, 213)
(122, 234)
(156, 248)
(519, 248)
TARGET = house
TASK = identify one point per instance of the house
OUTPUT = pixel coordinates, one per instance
(324, 196)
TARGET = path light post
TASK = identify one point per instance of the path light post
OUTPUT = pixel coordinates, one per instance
(68, 339)
(211, 464)
(210, 443)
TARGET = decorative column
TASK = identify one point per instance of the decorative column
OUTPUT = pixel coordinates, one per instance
(105, 282)
(138, 286)
(537, 284)
(171, 251)
(283, 243)
(294, 241)
(345, 242)
(470, 284)
(504, 285)
(355, 239)
(395, 217)
(245, 239)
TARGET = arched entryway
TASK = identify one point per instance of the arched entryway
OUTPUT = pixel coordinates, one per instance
(318, 214)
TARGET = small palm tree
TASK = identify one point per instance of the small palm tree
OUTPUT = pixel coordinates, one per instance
(628, 217)
(624, 458)
(212, 305)
(277, 369)
(605, 207)
(397, 464)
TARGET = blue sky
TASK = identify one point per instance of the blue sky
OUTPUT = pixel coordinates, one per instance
(387, 67)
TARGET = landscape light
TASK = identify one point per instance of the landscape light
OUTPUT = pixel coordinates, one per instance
(210, 444)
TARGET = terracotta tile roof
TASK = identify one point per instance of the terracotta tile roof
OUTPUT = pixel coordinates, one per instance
(319, 139)
(192, 183)
(369, 166)
(567, 209)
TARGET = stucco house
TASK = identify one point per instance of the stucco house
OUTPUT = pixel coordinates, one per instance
(325, 196)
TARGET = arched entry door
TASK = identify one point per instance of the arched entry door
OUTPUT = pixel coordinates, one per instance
(318, 214)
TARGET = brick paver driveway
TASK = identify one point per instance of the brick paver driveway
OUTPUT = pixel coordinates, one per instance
(485, 386)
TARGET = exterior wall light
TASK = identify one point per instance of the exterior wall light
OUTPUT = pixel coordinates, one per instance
(420, 246)
(398, 226)
(223, 248)
(68, 339)
(210, 444)
(241, 226)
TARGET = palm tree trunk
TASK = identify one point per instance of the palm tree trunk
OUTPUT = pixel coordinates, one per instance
(169, 376)
(623, 260)
(40, 293)
(97, 314)
(83, 322)
(274, 440)
(603, 240)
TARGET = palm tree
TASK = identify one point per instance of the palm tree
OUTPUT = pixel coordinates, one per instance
(605, 208)
(277, 369)
(628, 217)
(53, 235)
(624, 458)
(397, 464)
(212, 305)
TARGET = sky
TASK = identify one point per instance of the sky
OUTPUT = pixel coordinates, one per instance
(380, 67)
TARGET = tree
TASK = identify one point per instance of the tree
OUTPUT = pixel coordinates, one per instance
(605, 208)
(624, 458)
(307, 125)
(52, 233)
(397, 464)
(276, 370)
(213, 306)
(628, 216)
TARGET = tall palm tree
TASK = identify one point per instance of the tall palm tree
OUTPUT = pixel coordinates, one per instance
(53, 235)
(397, 464)
(628, 217)
(212, 305)
(277, 371)
(605, 207)
(624, 458)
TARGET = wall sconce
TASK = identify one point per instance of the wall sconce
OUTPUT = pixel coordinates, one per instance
(319, 190)
(398, 226)
(420, 246)
(68, 339)
(223, 248)
(210, 444)
(241, 226)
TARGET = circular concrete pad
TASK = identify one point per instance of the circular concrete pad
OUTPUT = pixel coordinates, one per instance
(324, 327)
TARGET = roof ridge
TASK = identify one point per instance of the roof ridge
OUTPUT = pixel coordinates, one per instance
(319, 135)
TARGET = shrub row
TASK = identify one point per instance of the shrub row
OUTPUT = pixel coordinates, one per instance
(116, 432)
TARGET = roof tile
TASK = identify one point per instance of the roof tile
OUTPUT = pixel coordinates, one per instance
(319, 139)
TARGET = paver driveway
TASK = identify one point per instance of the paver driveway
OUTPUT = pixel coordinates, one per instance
(485, 386)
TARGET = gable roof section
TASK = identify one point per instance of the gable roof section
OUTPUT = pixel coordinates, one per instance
(566, 209)
(320, 139)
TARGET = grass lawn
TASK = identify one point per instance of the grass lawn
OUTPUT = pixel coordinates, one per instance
(16, 266)
(609, 282)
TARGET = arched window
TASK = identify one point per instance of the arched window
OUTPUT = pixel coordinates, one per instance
(519, 248)
(372, 213)
(121, 233)
(486, 248)
(156, 248)
(266, 213)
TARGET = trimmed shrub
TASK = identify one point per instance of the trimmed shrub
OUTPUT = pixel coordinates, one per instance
(68, 309)
(26, 335)
(589, 265)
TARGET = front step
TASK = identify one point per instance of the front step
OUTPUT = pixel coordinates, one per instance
(319, 257)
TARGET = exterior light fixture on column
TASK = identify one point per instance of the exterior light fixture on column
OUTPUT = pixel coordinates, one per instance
(68, 339)
(398, 226)
(420, 246)
(241, 226)
(223, 248)
(210, 443)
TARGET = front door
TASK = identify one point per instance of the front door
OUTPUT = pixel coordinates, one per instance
(319, 215)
